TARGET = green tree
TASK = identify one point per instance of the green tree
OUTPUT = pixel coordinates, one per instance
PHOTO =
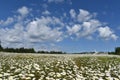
(117, 50)
(1, 48)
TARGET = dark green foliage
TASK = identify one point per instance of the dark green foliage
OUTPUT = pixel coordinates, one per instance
(19, 50)
(43, 52)
(51, 52)
(56, 52)
(112, 53)
(1, 48)
(28, 50)
(117, 50)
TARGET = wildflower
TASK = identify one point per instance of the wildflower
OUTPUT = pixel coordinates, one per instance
(17, 71)
(58, 74)
(63, 73)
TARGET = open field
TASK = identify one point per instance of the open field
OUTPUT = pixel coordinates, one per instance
(14, 66)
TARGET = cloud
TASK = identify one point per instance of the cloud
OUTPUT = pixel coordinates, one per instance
(106, 33)
(45, 6)
(118, 28)
(9, 21)
(56, 1)
(73, 13)
(40, 30)
(85, 29)
(83, 15)
(89, 27)
(13, 35)
(46, 12)
(23, 10)
(27, 31)
(64, 14)
(74, 29)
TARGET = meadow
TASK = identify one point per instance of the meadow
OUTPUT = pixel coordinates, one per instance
(16, 66)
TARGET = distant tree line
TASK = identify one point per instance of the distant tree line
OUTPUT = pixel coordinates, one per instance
(17, 50)
(1, 48)
(117, 51)
(52, 52)
(28, 50)
(31, 50)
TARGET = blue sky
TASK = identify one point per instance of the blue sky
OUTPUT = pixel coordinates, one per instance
(65, 25)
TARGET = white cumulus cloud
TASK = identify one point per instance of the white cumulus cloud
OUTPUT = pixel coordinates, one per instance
(46, 12)
(73, 13)
(74, 29)
(14, 35)
(26, 31)
(83, 15)
(107, 33)
(89, 26)
(39, 30)
(7, 22)
(23, 10)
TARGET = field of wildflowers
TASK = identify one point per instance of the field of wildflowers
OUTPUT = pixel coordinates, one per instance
(58, 67)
